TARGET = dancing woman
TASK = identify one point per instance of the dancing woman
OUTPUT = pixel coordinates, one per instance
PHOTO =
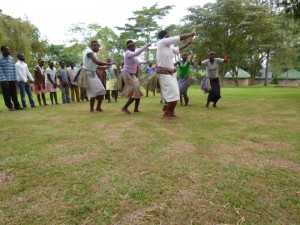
(183, 76)
(95, 89)
(131, 88)
(39, 87)
(212, 65)
(165, 68)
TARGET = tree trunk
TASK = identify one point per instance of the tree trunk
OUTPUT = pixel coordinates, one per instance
(266, 72)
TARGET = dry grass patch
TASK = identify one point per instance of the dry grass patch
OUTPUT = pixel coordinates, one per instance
(177, 207)
(247, 153)
(138, 216)
(6, 177)
(77, 158)
(34, 203)
(182, 148)
(6, 136)
(282, 164)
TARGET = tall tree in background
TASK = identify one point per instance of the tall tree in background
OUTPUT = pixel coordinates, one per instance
(245, 31)
(145, 25)
(22, 36)
(290, 12)
(60, 52)
(290, 7)
(219, 30)
(82, 34)
(264, 36)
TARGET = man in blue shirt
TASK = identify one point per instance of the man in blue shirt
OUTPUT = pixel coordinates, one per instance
(8, 79)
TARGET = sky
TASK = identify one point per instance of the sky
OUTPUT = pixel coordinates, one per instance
(54, 18)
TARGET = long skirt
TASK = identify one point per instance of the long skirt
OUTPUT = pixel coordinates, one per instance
(131, 86)
(169, 87)
(95, 86)
(183, 83)
(214, 94)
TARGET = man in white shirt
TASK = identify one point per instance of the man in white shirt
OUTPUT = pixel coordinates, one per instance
(23, 74)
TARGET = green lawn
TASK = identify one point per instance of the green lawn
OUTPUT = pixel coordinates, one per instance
(237, 164)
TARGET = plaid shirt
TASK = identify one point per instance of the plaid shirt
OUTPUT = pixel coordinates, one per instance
(7, 69)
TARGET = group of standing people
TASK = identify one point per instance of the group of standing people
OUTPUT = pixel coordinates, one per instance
(17, 75)
(171, 89)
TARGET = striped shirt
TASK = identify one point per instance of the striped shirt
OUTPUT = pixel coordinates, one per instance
(7, 69)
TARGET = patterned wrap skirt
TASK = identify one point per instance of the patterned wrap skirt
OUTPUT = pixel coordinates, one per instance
(131, 86)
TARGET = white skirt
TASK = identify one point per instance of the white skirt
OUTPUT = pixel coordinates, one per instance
(169, 87)
(95, 86)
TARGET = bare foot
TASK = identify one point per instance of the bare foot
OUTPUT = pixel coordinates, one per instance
(99, 110)
(125, 111)
(136, 110)
(167, 117)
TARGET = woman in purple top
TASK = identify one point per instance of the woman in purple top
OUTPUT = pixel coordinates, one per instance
(131, 88)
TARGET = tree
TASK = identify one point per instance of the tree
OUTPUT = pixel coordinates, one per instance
(145, 25)
(219, 30)
(290, 7)
(264, 35)
(82, 34)
(247, 32)
(22, 36)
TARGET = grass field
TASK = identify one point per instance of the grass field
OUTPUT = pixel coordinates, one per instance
(237, 164)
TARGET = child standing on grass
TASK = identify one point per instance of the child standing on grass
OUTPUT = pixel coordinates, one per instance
(39, 82)
(51, 81)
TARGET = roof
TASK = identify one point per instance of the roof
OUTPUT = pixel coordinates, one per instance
(262, 74)
(290, 74)
(241, 74)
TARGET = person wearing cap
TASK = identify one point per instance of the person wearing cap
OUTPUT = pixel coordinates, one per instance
(39, 86)
(212, 65)
(95, 89)
(165, 68)
(8, 79)
(23, 75)
(131, 88)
